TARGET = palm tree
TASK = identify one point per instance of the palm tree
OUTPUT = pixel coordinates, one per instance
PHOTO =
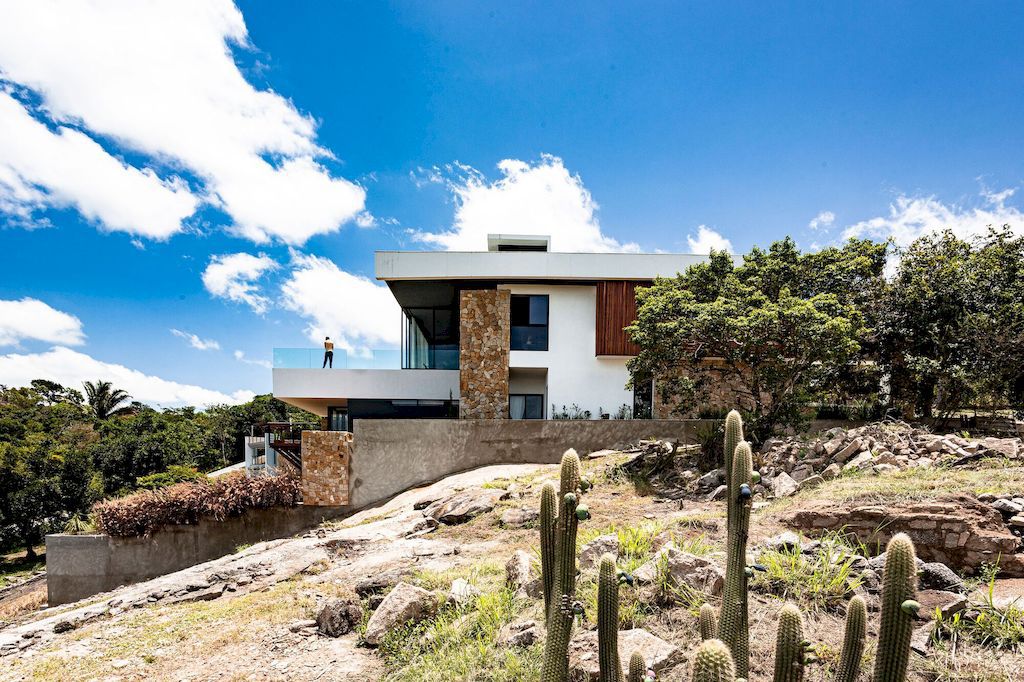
(105, 400)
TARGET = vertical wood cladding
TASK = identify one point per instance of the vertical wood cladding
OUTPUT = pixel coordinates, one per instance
(616, 309)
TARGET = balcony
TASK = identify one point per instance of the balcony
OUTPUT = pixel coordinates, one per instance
(313, 358)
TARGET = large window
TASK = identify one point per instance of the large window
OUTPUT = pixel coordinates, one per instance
(529, 319)
(526, 406)
(430, 339)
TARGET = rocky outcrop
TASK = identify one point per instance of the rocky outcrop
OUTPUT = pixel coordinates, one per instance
(404, 604)
(464, 505)
(339, 616)
(682, 569)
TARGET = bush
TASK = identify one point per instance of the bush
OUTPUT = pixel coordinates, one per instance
(185, 503)
(175, 473)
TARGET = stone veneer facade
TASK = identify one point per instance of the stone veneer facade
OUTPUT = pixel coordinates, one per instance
(483, 353)
(326, 456)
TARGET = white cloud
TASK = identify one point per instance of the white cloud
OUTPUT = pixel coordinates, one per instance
(240, 356)
(71, 368)
(706, 240)
(31, 319)
(913, 217)
(354, 311)
(542, 198)
(823, 220)
(195, 341)
(158, 78)
(234, 276)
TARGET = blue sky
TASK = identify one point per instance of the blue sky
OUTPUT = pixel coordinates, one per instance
(227, 171)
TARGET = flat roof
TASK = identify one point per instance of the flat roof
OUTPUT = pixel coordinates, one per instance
(509, 266)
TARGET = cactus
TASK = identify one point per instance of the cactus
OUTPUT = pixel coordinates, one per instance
(637, 667)
(608, 620)
(713, 663)
(853, 641)
(563, 608)
(548, 519)
(708, 622)
(790, 646)
(733, 437)
(899, 589)
(733, 628)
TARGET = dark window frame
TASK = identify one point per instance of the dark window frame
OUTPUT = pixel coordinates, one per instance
(539, 396)
(546, 326)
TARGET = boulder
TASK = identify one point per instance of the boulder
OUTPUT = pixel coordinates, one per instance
(861, 461)
(786, 541)
(684, 569)
(519, 633)
(783, 485)
(711, 479)
(658, 654)
(591, 553)
(461, 592)
(518, 518)
(946, 603)
(404, 604)
(831, 471)
(853, 447)
(936, 576)
(811, 482)
(339, 616)
(718, 493)
(522, 576)
(464, 505)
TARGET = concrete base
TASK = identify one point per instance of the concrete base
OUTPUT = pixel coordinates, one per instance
(79, 566)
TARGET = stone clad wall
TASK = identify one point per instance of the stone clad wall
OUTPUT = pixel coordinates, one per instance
(483, 353)
(326, 457)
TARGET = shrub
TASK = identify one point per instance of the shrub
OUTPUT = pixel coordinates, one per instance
(175, 473)
(185, 503)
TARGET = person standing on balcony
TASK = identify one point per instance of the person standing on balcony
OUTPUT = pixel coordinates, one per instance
(328, 352)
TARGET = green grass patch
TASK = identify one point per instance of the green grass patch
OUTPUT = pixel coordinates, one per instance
(983, 622)
(15, 568)
(823, 580)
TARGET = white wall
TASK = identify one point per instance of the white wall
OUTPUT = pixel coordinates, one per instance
(575, 374)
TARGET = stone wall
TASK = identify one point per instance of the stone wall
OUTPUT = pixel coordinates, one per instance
(483, 353)
(724, 393)
(326, 456)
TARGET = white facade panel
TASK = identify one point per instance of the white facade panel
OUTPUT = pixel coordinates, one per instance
(574, 374)
(422, 384)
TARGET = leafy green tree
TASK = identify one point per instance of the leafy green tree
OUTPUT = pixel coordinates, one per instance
(105, 400)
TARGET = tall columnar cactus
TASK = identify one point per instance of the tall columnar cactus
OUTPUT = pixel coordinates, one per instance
(853, 642)
(637, 667)
(713, 663)
(708, 622)
(563, 606)
(733, 437)
(608, 620)
(899, 606)
(790, 646)
(732, 626)
(548, 519)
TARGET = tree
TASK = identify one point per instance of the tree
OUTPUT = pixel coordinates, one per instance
(776, 331)
(105, 400)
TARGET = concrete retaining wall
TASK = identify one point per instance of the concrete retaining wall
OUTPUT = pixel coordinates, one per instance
(79, 566)
(392, 455)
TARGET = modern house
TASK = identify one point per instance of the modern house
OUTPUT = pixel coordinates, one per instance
(514, 332)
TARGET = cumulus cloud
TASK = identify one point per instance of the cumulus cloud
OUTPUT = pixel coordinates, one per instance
(235, 276)
(541, 198)
(240, 356)
(157, 79)
(913, 217)
(71, 368)
(195, 341)
(822, 221)
(29, 319)
(356, 312)
(706, 240)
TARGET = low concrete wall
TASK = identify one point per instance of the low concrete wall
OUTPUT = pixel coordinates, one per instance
(392, 455)
(79, 566)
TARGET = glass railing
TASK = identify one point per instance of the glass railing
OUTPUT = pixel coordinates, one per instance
(313, 358)
(433, 358)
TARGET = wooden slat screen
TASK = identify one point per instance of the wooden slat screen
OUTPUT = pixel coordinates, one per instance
(616, 308)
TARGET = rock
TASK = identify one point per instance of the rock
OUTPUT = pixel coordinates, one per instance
(884, 469)
(861, 461)
(831, 471)
(522, 576)
(854, 446)
(833, 446)
(339, 616)
(404, 603)
(921, 637)
(298, 625)
(518, 518)
(684, 569)
(519, 633)
(659, 654)
(710, 479)
(379, 582)
(591, 553)
(947, 603)
(811, 482)
(718, 493)
(786, 541)
(601, 453)
(877, 563)
(936, 576)
(461, 592)
(783, 485)
(1016, 521)
(464, 505)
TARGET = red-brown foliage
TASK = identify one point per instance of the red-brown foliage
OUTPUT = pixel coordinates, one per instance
(185, 503)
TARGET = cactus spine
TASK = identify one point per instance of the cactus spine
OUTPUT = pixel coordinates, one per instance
(713, 663)
(548, 519)
(708, 624)
(562, 609)
(790, 646)
(637, 667)
(853, 642)
(733, 628)
(608, 621)
(899, 590)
